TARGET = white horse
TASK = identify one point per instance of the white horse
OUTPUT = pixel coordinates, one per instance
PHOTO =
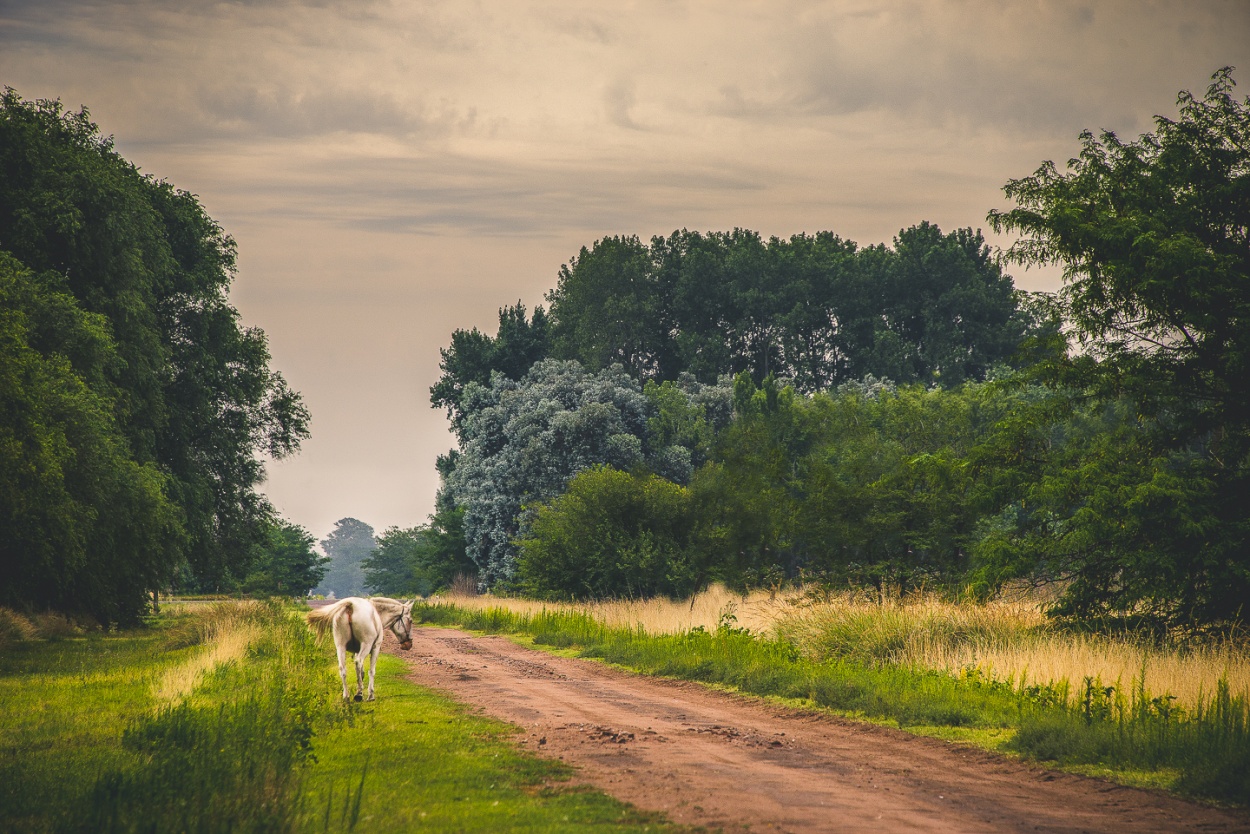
(358, 626)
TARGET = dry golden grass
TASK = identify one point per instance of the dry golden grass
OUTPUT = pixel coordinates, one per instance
(1005, 640)
(226, 630)
(757, 611)
(1011, 641)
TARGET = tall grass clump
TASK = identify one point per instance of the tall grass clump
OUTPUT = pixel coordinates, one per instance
(15, 627)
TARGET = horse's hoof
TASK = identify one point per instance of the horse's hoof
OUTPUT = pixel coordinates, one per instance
(358, 697)
(370, 697)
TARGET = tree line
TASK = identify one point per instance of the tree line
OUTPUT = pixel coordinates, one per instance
(717, 406)
(135, 408)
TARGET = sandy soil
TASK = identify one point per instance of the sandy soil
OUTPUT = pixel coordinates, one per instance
(709, 758)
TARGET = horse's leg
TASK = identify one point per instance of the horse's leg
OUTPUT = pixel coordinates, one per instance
(360, 675)
(373, 663)
(342, 653)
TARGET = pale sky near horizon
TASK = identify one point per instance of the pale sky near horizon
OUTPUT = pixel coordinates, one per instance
(393, 171)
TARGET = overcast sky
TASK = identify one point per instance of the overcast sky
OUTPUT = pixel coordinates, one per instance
(392, 171)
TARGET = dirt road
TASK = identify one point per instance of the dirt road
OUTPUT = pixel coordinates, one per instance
(723, 761)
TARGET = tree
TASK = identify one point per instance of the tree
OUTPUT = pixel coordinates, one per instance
(348, 545)
(814, 310)
(421, 560)
(286, 564)
(610, 307)
(191, 390)
(612, 534)
(473, 357)
(86, 527)
(1152, 236)
(1153, 241)
(521, 442)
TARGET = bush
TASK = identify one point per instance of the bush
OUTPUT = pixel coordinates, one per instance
(612, 534)
(15, 628)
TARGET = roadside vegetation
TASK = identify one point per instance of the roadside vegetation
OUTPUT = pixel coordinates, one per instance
(1102, 705)
(226, 717)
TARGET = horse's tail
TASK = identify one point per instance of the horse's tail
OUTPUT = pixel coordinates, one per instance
(321, 619)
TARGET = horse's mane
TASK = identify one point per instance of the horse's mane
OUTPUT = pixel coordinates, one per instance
(386, 602)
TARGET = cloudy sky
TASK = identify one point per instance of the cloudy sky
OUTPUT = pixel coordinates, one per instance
(394, 170)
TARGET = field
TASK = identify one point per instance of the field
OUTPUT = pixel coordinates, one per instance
(226, 717)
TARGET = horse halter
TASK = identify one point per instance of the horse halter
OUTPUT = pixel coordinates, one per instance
(405, 641)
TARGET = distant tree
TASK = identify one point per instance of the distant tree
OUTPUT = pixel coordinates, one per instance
(420, 560)
(347, 546)
(391, 568)
(286, 564)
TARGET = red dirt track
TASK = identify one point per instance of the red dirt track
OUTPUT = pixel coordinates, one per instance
(709, 758)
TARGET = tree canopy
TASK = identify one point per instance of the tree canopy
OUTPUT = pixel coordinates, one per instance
(185, 391)
(898, 415)
(1155, 244)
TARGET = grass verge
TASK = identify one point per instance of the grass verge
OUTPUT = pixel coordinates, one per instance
(416, 760)
(1202, 751)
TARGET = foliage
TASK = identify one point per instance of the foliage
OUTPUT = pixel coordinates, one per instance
(347, 547)
(421, 560)
(192, 401)
(286, 564)
(521, 441)
(473, 357)
(1152, 237)
(87, 527)
(612, 534)
(816, 310)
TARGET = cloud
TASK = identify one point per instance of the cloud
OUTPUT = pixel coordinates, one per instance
(618, 99)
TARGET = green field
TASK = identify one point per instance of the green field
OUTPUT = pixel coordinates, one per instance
(135, 731)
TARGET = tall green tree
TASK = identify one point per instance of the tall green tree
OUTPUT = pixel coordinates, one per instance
(192, 391)
(1152, 236)
(286, 564)
(815, 309)
(473, 357)
(86, 527)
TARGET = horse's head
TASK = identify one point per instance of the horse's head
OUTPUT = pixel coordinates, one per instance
(401, 627)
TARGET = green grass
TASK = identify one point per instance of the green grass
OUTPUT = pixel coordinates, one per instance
(262, 743)
(1202, 752)
(428, 763)
(62, 707)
